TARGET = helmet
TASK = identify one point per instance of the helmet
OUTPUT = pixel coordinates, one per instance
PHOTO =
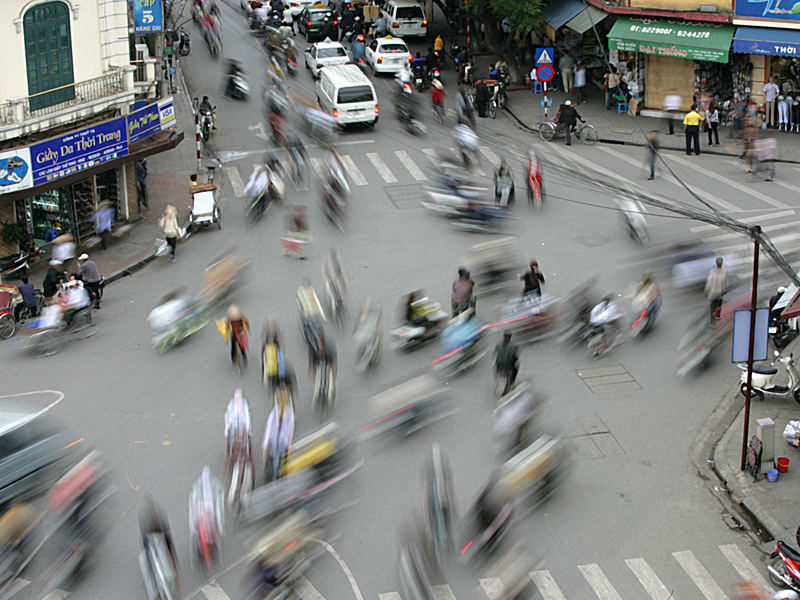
(437, 84)
(568, 103)
(781, 290)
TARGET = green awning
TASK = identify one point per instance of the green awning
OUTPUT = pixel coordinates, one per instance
(693, 41)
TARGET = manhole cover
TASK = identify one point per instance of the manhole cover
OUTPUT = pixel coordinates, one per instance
(405, 196)
(592, 241)
(606, 380)
(597, 442)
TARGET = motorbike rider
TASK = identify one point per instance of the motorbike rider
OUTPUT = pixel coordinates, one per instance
(568, 118)
(418, 64)
(466, 139)
(437, 95)
(206, 107)
(207, 506)
(325, 353)
(502, 176)
(431, 59)
(258, 184)
(275, 18)
(358, 26)
(357, 48)
(466, 111)
(152, 520)
(462, 58)
(236, 327)
(606, 314)
(438, 43)
(507, 358)
(532, 280)
(407, 105)
(237, 417)
(462, 332)
(490, 506)
(502, 68)
(482, 97)
(347, 19)
(415, 311)
(234, 70)
(380, 28)
(646, 290)
(462, 295)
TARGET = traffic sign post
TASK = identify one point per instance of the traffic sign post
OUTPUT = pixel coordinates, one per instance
(544, 56)
(544, 73)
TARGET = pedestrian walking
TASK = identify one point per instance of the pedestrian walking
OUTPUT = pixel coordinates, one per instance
(532, 280)
(771, 90)
(612, 85)
(568, 118)
(102, 222)
(672, 104)
(691, 123)
(652, 152)
(566, 64)
(579, 83)
(236, 329)
(712, 123)
(169, 225)
(481, 98)
(716, 288)
(88, 273)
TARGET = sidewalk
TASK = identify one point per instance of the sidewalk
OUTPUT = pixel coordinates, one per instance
(624, 129)
(167, 183)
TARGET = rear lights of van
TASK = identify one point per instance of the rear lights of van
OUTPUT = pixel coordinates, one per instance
(377, 110)
(380, 60)
(425, 23)
(395, 25)
(335, 113)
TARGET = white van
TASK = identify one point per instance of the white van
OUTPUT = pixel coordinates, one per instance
(347, 94)
(405, 18)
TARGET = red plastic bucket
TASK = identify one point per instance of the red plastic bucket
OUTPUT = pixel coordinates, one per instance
(783, 464)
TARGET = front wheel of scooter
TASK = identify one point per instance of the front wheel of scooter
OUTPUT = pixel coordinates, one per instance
(796, 395)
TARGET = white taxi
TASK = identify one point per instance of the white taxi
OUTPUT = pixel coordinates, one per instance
(325, 54)
(297, 6)
(387, 55)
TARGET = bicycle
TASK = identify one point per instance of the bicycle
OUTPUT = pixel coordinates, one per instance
(438, 113)
(584, 131)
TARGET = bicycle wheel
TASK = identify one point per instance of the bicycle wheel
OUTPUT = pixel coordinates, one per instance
(547, 131)
(588, 134)
(7, 325)
(492, 109)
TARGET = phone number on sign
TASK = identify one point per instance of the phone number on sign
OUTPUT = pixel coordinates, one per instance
(694, 34)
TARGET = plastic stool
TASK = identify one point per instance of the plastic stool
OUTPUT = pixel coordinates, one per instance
(537, 87)
(622, 107)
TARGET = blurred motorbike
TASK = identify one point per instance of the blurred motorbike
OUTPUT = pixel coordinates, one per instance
(368, 336)
(410, 336)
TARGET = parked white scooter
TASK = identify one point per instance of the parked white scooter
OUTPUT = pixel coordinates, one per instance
(762, 385)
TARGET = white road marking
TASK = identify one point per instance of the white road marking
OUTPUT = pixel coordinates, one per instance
(59, 397)
(599, 582)
(409, 164)
(727, 180)
(648, 578)
(775, 240)
(442, 592)
(352, 171)
(19, 585)
(493, 587)
(760, 218)
(490, 156)
(708, 197)
(213, 591)
(259, 131)
(236, 180)
(389, 596)
(308, 591)
(785, 184)
(56, 595)
(729, 236)
(345, 569)
(744, 567)
(697, 573)
(431, 154)
(317, 165)
(548, 587)
(381, 167)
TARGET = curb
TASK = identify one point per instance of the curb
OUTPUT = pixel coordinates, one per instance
(130, 269)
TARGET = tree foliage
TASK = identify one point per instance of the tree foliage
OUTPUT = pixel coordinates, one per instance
(525, 15)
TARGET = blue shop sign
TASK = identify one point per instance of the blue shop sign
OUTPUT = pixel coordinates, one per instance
(79, 150)
(147, 16)
(767, 40)
(772, 10)
(143, 123)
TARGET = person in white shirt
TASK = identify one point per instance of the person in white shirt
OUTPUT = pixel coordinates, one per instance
(672, 104)
(712, 119)
(580, 83)
(771, 90)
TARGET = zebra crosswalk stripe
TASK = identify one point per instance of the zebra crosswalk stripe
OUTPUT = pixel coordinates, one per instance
(754, 219)
(308, 591)
(648, 578)
(381, 167)
(213, 591)
(492, 587)
(699, 575)
(548, 587)
(744, 567)
(352, 170)
(442, 592)
(56, 595)
(600, 584)
(490, 156)
(389, 596)
(733, 235)
(236, 180)
(410, 165)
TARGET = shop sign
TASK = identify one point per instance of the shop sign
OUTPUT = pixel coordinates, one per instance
(147, 16)
(15, 170)
(150, 120)
(667, 38)
(768, 10)
(79, 150)
(768, 48)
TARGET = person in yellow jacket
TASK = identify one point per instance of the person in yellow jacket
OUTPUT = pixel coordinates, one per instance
(234, 329)
(438, 43)
(692, 122)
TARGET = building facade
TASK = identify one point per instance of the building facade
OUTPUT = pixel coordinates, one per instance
(72, 78)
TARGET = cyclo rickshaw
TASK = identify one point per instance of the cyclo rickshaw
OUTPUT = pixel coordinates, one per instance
(220, 280)
(205, 210)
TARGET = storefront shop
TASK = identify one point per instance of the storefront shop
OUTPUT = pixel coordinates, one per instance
(56, 186)
(688, 59)
(770, 51)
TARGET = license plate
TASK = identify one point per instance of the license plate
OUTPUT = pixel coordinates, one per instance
(773, 330)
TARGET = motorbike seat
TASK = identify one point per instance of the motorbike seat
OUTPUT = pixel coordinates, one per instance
(7, 260)
(764, 370)
(789, 551)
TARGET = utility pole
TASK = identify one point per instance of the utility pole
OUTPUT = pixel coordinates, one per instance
(756, 233)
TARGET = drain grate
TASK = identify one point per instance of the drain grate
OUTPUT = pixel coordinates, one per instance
(597, 442)
(405, 197)
(607, 380)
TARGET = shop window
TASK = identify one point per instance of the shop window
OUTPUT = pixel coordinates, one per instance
(49, 215)
(48, 54)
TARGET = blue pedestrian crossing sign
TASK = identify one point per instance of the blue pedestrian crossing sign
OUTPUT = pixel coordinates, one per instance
(544, 56)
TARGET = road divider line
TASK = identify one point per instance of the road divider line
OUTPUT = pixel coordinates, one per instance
(236, 180)
(213, 591)
(548, 587)
(492, 587)
(697, 573)
(744, 567)
(352, 170)
(706, 172)
(648, 578)
(595, 577)
(381, 167)
(410, 165)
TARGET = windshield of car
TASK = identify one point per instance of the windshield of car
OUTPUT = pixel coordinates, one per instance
(331, 52)
(356, 93)
(392, 48)
(317, 17)
(409, 12)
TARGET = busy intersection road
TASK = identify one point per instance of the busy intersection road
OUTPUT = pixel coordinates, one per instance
(633, 519)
